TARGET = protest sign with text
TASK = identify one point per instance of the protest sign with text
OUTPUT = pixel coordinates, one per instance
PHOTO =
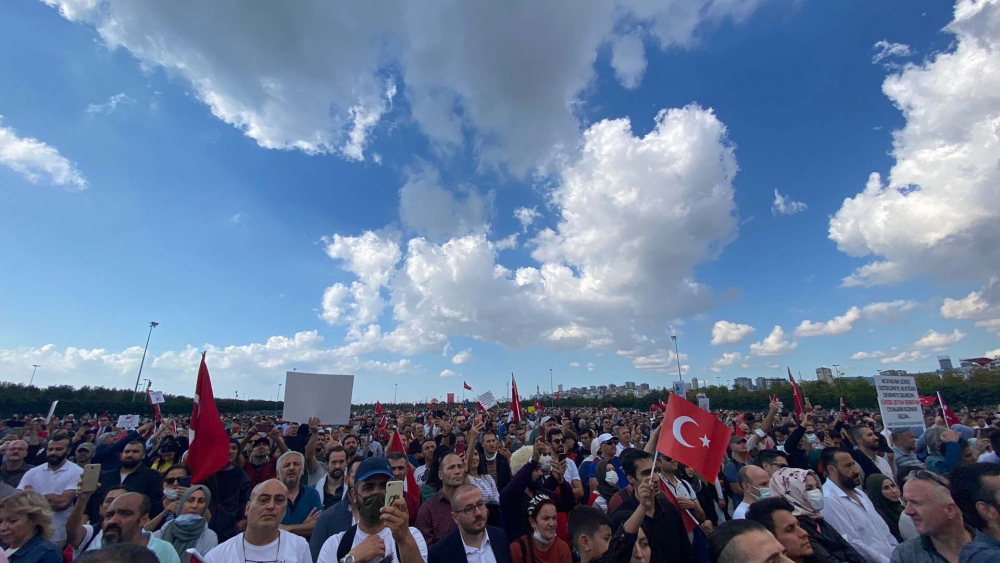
(899, 401)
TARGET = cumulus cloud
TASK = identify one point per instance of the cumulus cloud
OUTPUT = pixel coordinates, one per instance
(725, 332)
(868, 355)
(448, 373)
(574, 364)
(111, 105)
(628, 58)
(992, 325)
(463, 357)
(885, 50)
(992, 353)
(784, 206)
(503, 77)
(977, 304)
(838, 325)
(934, 339)
(591, 366)
(888, 311)
(727, 359)
(37, 161)
(905, 357)
(526, 216)
(600, 273)
(774, 345)
(428, 209)
(938, 206)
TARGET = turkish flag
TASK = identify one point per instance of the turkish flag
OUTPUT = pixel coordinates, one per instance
(378, 407)
(927, 401)
(797, 395)
(515, 400)
(396, 445)
(843, 408)
(557, 395)
(689, 522)
(663, 406)
(693, 437)
(947, 414)
(209, 449)
(655, 407)
(466, 386)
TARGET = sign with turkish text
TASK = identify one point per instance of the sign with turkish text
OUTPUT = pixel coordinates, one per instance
(679, 389)
(899, 401)
(487, 400)
(128, 421)
(703, 402)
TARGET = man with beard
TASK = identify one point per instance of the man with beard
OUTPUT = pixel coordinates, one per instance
(264, 540)
(473, 540)
(56, 481)
(84, 453)
(262, 465)
(134, 475)
(123, 523)
(382, 532)
(84, 537)
(866, 452)
(304, 505)
(434, 518)
(350, 443)
(497, 464)
(230, 494)
(341, 516)
(849, 511)
(331, 487)
(14, 466)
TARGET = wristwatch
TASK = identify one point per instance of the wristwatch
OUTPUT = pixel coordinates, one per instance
(347, 559)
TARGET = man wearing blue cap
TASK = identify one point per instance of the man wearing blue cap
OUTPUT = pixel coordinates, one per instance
(382, 532)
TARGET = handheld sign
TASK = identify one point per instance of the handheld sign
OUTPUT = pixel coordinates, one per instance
(899, 401)
(679, 389)
(326, 396)
(487, 400)
(156, 397)
(128, 421)
(52, 411)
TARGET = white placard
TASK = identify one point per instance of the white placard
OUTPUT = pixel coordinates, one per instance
(703, 402)
(156, 397)
(899, 401)
(679, 389)
(128, 421)
(326, 396)
(487, 400)
(52, 410)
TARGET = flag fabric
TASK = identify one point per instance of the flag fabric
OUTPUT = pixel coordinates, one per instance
(946, 412)
(515, 400)
(396, 445)
(797, 395)
(156, 405)
(843, 408)
(466, 386)
(663, 406)
(538, 406)
(689, 522)
(655, 407)
(209, 449)
(378, 407)
(701, 447)
(927, 401)
(557, 395)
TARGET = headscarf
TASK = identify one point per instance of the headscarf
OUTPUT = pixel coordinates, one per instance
(790, 483)
(605, 489)
(888, 510)
(184, 536)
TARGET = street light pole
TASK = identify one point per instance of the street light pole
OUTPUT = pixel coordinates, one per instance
(718, 380)
(152, 325)
(33, 370)
(276, 399)
(677, 355)
(394, 393)
(551, 388)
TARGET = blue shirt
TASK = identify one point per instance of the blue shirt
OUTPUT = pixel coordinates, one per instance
(308, 499)
(622, 479)
(732, 472)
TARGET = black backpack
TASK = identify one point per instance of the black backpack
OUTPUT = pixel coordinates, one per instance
(347, 542)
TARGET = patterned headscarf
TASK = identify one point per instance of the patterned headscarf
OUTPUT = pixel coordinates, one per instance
(790, 483)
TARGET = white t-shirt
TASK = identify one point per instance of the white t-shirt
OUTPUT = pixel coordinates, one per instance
(572, 473)
(420, 475)
(328, 554)
(44, 481)
(94, 541)
(741, 511)
(288, 548)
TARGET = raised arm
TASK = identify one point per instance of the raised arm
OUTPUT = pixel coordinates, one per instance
(311, 444)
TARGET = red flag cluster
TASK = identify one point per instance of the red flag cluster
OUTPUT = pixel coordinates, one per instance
(946, 413)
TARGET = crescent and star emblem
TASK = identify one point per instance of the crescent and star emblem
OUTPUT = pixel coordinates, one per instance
(681, 421)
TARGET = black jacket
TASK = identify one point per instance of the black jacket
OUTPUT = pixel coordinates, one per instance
(452, 548)
(828, 545)
(667, 538)
(795, 456)
(143, 480)
(503, 471)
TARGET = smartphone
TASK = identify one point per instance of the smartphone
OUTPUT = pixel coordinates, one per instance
(562, 457)
(460, 448)
(91, 477)
(393, 491)
(265, 428)
(184, 481)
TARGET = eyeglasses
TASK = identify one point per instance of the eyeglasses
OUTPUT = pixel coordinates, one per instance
(472, 508)
(925, 475)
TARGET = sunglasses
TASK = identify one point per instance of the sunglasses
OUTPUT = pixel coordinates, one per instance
(172, 480)
(925, 475)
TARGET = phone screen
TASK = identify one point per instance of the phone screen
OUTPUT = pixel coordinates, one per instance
(184, 481)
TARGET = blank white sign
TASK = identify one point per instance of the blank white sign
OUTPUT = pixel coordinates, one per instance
(324, 395)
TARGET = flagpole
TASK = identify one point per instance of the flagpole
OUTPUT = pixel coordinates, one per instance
(152, 325)
(677, 356)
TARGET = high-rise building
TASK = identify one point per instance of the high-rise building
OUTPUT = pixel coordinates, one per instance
(760, 384)
(630, 384)
(560, 388)
(944, 363)
(824, 374)
(744, 382)
(694, 383)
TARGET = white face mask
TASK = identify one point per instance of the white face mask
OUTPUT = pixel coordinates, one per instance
(541, 540)
(611, 477)
(815, 498)
(170, 494)
(811, 438)
(760, 433)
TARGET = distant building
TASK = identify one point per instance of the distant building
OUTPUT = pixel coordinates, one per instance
(694, 383)
(744, 382)
(824, 374)
(773, 382)
(644, 387)
(560, 388)
(760, 384)
(630, 384)
(944, 363)
(892, 372)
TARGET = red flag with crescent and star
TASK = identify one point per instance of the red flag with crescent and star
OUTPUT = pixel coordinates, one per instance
(693, 437)
(796, 395)
(515, 400)
(946, 412)
(209, 450)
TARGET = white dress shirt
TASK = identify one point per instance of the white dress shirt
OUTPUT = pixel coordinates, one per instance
(481, 554)
(859, 523)
(741, 511)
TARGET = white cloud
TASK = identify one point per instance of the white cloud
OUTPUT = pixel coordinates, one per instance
(463, 357)
(884, 50)
(977, 304)
(628, 58)
(992, 325)
(727, 359)
(888, 311)
(574, 364)
(725, 332)
(601, 277)
(111, 105)
(591, 366)
(429, 210)
(236, 219)
(37, 161)
(504, 77)
(448, 373)
(784, 206)
(506, 243)
(838, 325)
(993, 353)
(868, 355)
(526, 216)
(774, 345)
(904, 357)
(660, 361)
(936, 216)
(934, 339)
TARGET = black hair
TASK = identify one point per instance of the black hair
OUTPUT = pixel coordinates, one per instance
(856, 431)
(139, 442)
(762, 511)
(394, 456)
(994, 437)
(629, 457)
(724, 535)
(119, 553)
(552, 432)
(336, 449)
(586, 521)
(768, 457)
(968, 486)
(828, 457)
(432, 470)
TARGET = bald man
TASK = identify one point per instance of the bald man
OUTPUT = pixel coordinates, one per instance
(263, 540)
(123, 522)
(754, 482)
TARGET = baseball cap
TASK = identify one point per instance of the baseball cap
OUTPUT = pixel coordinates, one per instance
(736, 438)
(87, 446)
(373, 466)
(546, 419)
(604, 438)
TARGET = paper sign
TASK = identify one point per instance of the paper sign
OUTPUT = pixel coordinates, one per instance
(487, 400)
(326, 396)
(128, 421)
(52, 410)
(703, 402)
(531, 409)
(451, 398)
(156, 397)
(899, 401)
(679, 389)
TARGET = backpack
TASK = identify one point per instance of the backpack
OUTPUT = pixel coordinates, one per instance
(347, 542)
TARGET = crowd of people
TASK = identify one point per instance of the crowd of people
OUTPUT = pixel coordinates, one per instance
(557, 485)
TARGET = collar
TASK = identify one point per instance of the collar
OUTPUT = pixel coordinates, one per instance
(986, 539)
(928, 544)
(469, 550)
(492, 458)
(64, 467)
(832, 490)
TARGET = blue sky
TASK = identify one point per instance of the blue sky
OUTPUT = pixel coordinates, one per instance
(222, 172)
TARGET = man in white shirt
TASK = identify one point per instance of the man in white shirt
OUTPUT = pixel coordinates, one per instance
(56, 481)
(572, 473)
(380, 530)
(850, 512)
(754, 482)
(263, 541)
